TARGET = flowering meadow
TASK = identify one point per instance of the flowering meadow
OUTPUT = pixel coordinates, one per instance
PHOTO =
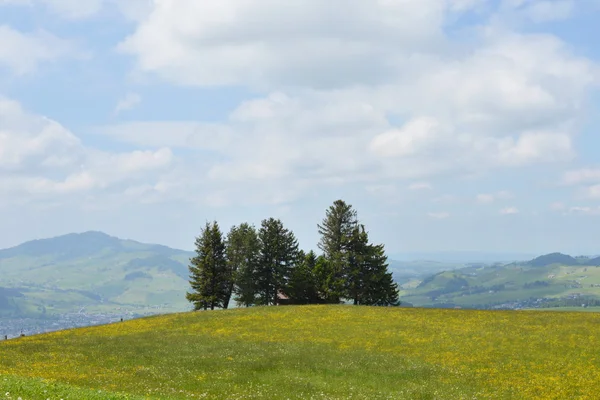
(313, 352)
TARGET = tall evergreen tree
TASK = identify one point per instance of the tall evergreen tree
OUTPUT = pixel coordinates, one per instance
(380, 288)
(302, 287)
(278, 254)
(368, 281)
(209, 277)
(336, 232)
(356, 265)
(324, 275)
(242, 250)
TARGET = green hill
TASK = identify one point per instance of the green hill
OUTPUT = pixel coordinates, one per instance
(91, 271)
(98, 273)
(553, 279)
(553, 258)
(313, 352)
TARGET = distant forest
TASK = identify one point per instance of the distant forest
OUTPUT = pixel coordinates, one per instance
(265, 266)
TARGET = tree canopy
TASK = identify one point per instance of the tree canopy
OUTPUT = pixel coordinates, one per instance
(266, 266)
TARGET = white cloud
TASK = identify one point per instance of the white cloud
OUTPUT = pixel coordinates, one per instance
(502, 100)
(585, 210)
(127, 103)
(509, 211)
(593, 191)
(238, 42)
(23, 52)
(414, 137)
(38, 156)
(492, 197)
(581, 176)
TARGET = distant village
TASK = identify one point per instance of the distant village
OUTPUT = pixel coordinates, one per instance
(15, 327)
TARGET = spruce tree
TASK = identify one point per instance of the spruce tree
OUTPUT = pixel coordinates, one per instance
(356, 266)
(368, 281)
(278, 255)
(380, 288)
(242, 250)
(209, 277)
(336, 232)
(302, 287)
(324, 275)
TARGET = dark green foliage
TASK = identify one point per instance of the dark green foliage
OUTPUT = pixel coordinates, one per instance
(553, 258)
(302, 287)
(356, 270)
(337, 228)
(278, 255)
(379, 288)
(336, 232)
(536, 284)
(242, 250)
(137, 275)
(368, 281)
(209, 276)
(324, 275)
(267, 267)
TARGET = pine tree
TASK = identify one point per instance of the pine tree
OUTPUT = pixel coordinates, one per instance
(302, 287)
(324, 275)
(368, 281)
(209, 277)
(356, 266)
(380, 288)
(278, 255)
(336, 233)
(242, 250)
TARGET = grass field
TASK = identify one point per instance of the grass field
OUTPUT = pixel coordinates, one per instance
(313, 352)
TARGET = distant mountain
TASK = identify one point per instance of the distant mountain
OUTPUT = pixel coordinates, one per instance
(91, 271)
(462, 257)
(553, 258)
(76, 245)
(554, 278)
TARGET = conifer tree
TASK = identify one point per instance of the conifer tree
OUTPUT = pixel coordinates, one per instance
(368, 281)
(336, 232)
(356, 265)
(278, 255)
(302, 287)
(380, 288)
(209, 277)
(242, 250)
(324, 276)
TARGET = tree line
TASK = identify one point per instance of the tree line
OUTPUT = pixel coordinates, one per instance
(265, 266)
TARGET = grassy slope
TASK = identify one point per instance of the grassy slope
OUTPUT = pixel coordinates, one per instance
(320, 352)
(513, 277)
(54, 285)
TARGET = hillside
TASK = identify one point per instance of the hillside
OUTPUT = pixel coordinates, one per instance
(553, 258)
(93, 272)
(324, 352)
(552, 279)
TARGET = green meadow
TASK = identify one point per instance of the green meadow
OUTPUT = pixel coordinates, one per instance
(313, 352)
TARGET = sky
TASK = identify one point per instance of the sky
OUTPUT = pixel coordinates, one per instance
(449, 125)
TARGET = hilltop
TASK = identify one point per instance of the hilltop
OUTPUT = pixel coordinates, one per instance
(313, 352)
(90, 271)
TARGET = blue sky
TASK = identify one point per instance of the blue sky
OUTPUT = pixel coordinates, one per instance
(448, 124)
